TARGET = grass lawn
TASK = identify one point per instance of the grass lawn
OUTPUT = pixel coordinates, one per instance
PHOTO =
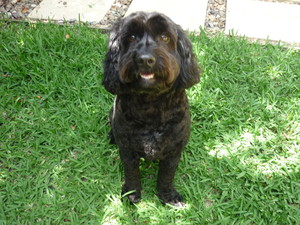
(242, 164)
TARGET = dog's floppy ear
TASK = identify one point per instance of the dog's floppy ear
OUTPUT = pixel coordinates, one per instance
(111, 79)
(189, 71)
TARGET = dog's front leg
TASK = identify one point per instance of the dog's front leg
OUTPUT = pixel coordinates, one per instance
(166, 191)
(132, 179)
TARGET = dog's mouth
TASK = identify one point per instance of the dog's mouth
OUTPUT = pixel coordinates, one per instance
(147, 76)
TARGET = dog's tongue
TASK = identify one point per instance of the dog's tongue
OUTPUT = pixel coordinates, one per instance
(147, 76)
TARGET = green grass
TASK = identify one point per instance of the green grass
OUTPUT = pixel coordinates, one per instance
(56, 167)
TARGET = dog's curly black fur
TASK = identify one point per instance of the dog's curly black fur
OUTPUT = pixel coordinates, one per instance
(148, 66)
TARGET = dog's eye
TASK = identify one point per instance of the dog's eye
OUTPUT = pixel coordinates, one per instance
(165, 38)
(132, 38)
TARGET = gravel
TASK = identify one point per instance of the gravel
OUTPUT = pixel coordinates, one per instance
(117, 10)
(214, 23)
(19, 9)
(215, 16)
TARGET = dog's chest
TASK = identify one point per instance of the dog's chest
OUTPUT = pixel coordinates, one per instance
(138, 112)
(152, 129)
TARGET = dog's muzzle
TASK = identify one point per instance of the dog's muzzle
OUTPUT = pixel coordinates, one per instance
(146, 62)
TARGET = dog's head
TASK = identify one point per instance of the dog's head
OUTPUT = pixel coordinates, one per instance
(148, 52)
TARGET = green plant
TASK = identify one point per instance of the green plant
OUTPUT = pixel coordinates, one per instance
(56, 166)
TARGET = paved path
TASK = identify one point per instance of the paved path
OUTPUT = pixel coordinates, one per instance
(258, 19)
(189, 14)
(252, 18)
(87, 10)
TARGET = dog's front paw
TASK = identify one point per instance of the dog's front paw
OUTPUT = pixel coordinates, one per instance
(134, 196)
(171, 197)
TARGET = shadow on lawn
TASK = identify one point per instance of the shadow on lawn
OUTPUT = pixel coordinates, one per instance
(248, 111)
(241, 164)
(242, 161)
(245, 136)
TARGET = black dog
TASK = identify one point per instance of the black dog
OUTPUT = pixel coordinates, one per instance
(148, 66)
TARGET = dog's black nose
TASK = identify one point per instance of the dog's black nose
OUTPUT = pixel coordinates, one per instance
(146, 60)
